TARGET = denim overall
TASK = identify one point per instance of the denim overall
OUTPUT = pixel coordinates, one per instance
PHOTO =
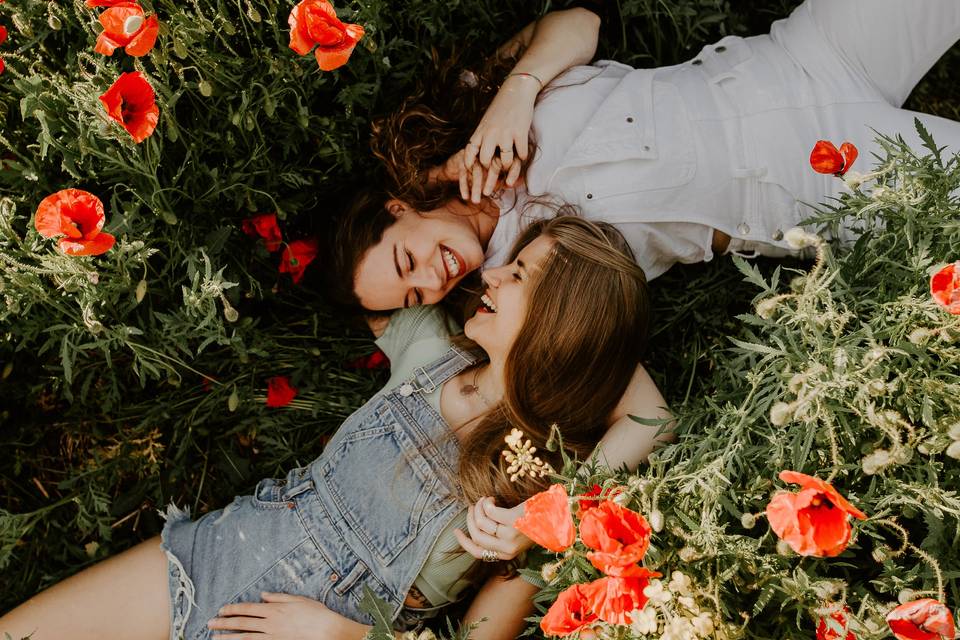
(366, 513)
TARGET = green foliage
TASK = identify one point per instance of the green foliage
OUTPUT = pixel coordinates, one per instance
(137, 378)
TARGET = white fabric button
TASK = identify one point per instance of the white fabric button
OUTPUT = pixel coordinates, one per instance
(778, 235)
(406, 389)
(743, 228)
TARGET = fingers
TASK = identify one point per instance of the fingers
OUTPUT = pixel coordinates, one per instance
(469, 545)
(269, 596)
(514, 174)
(237, 623)
(471, 150)
(482, 538)
(480, 518)
(503, 516)
(253, 609)
(476, 183)
(522, 143)
(493, 177)
(487, 150)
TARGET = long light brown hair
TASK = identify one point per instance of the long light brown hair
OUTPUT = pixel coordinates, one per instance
(582, 338)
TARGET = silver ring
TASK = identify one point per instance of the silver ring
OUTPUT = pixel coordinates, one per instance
(489, 556)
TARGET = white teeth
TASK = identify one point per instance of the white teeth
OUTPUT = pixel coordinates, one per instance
(453, 265)
(485, 299)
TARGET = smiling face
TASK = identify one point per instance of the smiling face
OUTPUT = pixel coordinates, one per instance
(503, 308)
(419, 259)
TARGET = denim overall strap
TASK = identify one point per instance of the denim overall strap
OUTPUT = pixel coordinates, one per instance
(429, 378)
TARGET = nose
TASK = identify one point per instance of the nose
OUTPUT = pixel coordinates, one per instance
(492, 277)
(430, 281)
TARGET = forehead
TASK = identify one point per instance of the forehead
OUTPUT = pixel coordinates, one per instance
(533, 254)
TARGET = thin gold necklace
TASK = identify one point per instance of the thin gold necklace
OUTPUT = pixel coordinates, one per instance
(469, 389)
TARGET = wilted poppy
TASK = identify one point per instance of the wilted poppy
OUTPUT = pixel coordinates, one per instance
(569, 613)
(619, 536)
(131, 102)
(297, 256)
(834, 627)
(264, 225)
(825, 158)
(547, 519)
(78, 216)
(925, 619)
(814, 521)
(279, 391)
(124, 26)
(315, 23)
(945, 287)
(613, 598)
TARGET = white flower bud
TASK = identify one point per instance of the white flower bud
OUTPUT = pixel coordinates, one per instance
(656, 520)
(748, 521)
(905, 595)
(141, 291)
(954, 450)
(919, 336)
(854, 179)
(880, 554)
(954, 431)
(549, 571)
(780, 414)
(874, 462)
(767, 307)
(689, 554)
(872, 356)
(876, 387)
(796, 381)
(797, 238)
(824, 589)
(783, 548)
(879, 193)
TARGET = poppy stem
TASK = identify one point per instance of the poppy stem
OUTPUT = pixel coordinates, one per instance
(923, 555)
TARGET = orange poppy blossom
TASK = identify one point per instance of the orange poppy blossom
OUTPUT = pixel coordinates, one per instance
(614, 598)
(279, 391)
(131, 102)
(814, 521)
(91, 4)
(314, 23)
(264, 225)
(945, 287)
(924, 619)
(297, 255)
(620, 538)
(825, 158)
(547, 519)
(78, 216)
(590, 499)
(124, 26)
(834, 628)
(570, 612)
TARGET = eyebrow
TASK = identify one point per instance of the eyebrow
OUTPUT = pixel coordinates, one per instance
(396, 264)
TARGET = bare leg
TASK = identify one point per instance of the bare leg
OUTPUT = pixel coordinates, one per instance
(126, 596)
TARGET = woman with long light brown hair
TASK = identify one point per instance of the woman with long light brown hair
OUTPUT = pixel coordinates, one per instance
(556, 340)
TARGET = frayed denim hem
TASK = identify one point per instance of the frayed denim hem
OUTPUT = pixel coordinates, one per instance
(182, 592)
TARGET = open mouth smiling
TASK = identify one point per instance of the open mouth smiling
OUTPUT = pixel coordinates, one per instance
(452, 262)
(486, 305)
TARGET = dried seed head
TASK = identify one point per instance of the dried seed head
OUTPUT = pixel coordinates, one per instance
(780, 414)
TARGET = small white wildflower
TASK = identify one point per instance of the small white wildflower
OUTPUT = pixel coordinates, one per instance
(854, 179)
(520, 457)
(656, 593)
(680, 583)
(703, 625)
(875, 461)
(783, 548)
(644, 621)
(905, 595)
(688, 603)
(549, 571)
(954, 450)
(954, 431)
(780, 414)
(748, 521)
(678, 628)
(798, 239)
(767, 307)
(919, 336)
(689, 554)
(622, 498)
(656, 520)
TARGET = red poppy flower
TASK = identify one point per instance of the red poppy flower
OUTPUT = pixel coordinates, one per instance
(593, 497)
(814, 521)
(547, 519)
(79, 217)
(315, 23)
(613, 599)
(570, 612)
(279, 391)
(3, 65)
(945, 287)
(825, 158)
(834, 628)
(925, 619)
(124, 26)
(264, 225)
(131, 102)
(297, 256)
(619, 536)
(3, 34)
(104, 3)
(376, 360)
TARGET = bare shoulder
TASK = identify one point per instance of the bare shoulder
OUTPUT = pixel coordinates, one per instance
(642, 397)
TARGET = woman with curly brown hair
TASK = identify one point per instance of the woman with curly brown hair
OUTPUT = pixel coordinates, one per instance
(688, 161)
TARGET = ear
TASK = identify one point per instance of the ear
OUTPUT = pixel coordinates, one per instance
(396, 207)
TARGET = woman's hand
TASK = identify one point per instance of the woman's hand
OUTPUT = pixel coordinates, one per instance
(475, 182)
(284, 617)
(491, 529)
(504, 130)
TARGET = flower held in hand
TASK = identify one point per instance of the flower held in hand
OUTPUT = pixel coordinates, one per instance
(814, 521)
(315, 23)
(825, 158)
(77, 215)
(925, 619)
(131, 102)
(547, 519)
(124, 26)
